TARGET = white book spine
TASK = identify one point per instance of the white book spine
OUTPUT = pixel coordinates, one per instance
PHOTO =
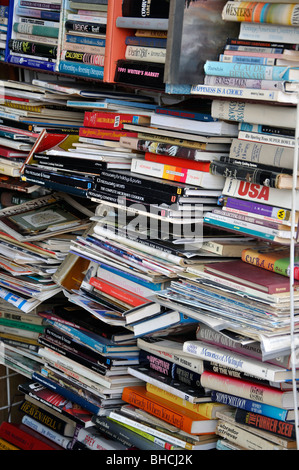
(47, 432)
(236, 361)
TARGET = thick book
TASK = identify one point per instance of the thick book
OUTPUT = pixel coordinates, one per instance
(258, 12)
(250, 275)
(255, 113)
(177, 173)
(276, 260)
(168, 411)
(258, 193)
(146, 54)
(139, 73)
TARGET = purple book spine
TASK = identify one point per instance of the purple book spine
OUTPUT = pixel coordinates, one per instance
(256, 208)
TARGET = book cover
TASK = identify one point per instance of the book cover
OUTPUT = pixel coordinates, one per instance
(167, 411)
(186, 55)
(272, 259)
(250, 275)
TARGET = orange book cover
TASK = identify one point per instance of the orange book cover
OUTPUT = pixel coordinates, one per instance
(115, 46)
(177, 161)
(168, 411)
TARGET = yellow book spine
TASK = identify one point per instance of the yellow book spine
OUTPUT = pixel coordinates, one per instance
(4, 445)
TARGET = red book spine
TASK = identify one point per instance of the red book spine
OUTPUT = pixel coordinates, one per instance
(107, 134)
(176, 161)
(119, 293)
(106, 120)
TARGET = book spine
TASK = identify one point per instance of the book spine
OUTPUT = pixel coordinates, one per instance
(247, 59)
(6, 169)
(257, 12)
(180, 174)
(160, 24)
(46, 40)
(126, 283)
(28, 28)
(147, 54)
(145, 8)
(38, 22)
(21, 439)
(89, 41)
(245, 93)
(145, 42)
(242, 388)
(256, 192)
(47, 432)
(176, 161)
(83, 57)
(44, 6)
(262, 210)
(249, 405)
(264, 138)
(269, 32)
(84, 183)
(31, 48)
(169, 369)
(226, 223)
(259, 176)
(118, 293)
(81, 26)
(257, 421)
(42, 14)
(243, 438)
(264, 44)
(107, 120)
(82, 70)
(260, 72)
(46, 418)
(70, 46)
(139, 73)
(145, 403)
(277, 156)
(261, 259)
(109, 134)
(55, 186)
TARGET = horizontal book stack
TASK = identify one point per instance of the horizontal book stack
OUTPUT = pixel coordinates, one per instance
(143, 30)
(33, 38)
(83, 39)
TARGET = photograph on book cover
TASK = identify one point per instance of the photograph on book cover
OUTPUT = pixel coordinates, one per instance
(191, 38)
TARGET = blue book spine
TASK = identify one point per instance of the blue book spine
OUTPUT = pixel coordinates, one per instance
(72, 396)
(35, 13)
(146, 41)
(81, 70)
(57, 186)
(249, 405)
(260, 72)
(32, 63)
(177, 89)
(85, 40)
(9, 29)
(243, 59)
(4, 11)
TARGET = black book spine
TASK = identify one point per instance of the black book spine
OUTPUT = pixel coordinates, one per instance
(43, 416)
(136, 194)
(252, 175)
(80, 182)
(85, 27)
(57, 186)
(70, 163)
(146, 8)
(142, 74)
(145, 184)
(255, 43)
(32, 48)
(272, 425)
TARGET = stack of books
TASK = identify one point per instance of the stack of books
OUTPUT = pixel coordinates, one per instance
(144, 34)
(33, 39)
(82, 39)
(4, 10)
